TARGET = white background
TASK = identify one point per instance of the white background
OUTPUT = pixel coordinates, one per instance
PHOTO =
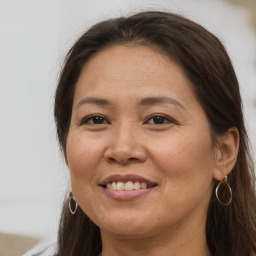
(34, 37)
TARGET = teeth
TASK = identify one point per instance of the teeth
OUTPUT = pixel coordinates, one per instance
(114, 186)
(136, 185)
(129, 185)
(143, 185)
(119, 186)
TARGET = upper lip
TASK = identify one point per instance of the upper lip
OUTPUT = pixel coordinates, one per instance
(125, 178)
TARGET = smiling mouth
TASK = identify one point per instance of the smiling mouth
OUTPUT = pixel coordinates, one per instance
(128, 186)
(126, 183)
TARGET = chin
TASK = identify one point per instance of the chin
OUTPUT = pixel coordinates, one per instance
(126, 227)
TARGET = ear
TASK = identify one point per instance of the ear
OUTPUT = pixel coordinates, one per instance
(226, 153)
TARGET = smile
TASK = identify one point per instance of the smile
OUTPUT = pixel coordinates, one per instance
(126, 187)
(129, 185)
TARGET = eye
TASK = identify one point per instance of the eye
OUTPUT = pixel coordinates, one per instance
(94, 120)
(160, 119)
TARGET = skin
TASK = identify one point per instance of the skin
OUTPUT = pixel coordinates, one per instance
(177, 154)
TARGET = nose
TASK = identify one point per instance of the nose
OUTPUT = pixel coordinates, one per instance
(125, 146)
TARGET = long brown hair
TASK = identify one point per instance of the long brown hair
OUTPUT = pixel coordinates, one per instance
(230, 230)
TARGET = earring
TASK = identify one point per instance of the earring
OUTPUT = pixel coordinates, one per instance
(226, 191)
(71, 197)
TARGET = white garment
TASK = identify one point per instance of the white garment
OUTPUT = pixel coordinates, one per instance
(45, 248)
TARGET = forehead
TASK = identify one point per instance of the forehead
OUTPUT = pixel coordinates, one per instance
(117, 67)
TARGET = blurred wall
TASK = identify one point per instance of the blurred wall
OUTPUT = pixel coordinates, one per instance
(34, 37)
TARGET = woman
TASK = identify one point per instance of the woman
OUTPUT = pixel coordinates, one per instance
(149, 118)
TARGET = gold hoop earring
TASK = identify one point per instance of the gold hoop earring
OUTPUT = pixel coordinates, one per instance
(226, 195)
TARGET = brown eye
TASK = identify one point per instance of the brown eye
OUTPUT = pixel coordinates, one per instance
(94, 120)
(97, 120)
(159, 119)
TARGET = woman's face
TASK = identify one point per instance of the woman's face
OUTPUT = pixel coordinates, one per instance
(139, 147)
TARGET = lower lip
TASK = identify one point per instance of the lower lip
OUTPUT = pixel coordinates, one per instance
(127, 194)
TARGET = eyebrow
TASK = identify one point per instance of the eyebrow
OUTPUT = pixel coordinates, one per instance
(144, 102)
(92, 100)
(161, 100)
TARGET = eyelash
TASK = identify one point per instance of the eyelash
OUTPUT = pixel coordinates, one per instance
(166, 118)
(87, 119)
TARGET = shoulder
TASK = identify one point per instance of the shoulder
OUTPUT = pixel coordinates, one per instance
(45, 248)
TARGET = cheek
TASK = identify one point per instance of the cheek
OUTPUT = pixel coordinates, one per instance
(83, 155)
(187, 166)
(184, 158)
(83, 158)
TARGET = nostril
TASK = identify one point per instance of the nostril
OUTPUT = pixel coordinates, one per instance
(124, 155)
(112, 160)
(133, 159)
(122, 160)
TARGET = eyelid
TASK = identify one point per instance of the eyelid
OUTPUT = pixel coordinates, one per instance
(85, 119)
(170, 120)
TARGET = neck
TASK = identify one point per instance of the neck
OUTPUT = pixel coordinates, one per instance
(178, 242)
